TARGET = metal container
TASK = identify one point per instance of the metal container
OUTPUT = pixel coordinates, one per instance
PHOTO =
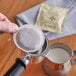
(59, 69)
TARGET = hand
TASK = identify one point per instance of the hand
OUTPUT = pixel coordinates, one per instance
(6, 25)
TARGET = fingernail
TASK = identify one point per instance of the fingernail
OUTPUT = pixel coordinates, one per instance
(15, 28)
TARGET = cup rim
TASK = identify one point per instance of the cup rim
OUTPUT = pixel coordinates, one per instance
(65, 45)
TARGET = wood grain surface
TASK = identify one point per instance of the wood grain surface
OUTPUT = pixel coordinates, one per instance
(9, 52)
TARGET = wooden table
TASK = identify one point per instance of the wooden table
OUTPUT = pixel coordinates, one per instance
(9, 52)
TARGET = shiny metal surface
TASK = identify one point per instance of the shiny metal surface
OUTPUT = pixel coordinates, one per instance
(57, 69)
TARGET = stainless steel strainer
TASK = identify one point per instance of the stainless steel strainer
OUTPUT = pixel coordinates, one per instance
(31, 40)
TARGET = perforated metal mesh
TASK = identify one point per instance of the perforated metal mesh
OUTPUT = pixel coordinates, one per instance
(29, 38)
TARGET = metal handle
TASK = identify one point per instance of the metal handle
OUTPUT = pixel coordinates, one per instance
(73, 61)
(18, 67)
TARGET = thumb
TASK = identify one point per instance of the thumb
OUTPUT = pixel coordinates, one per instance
(8, 27)
(12, 27)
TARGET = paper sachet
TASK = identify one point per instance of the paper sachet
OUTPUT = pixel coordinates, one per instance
(51, 18)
